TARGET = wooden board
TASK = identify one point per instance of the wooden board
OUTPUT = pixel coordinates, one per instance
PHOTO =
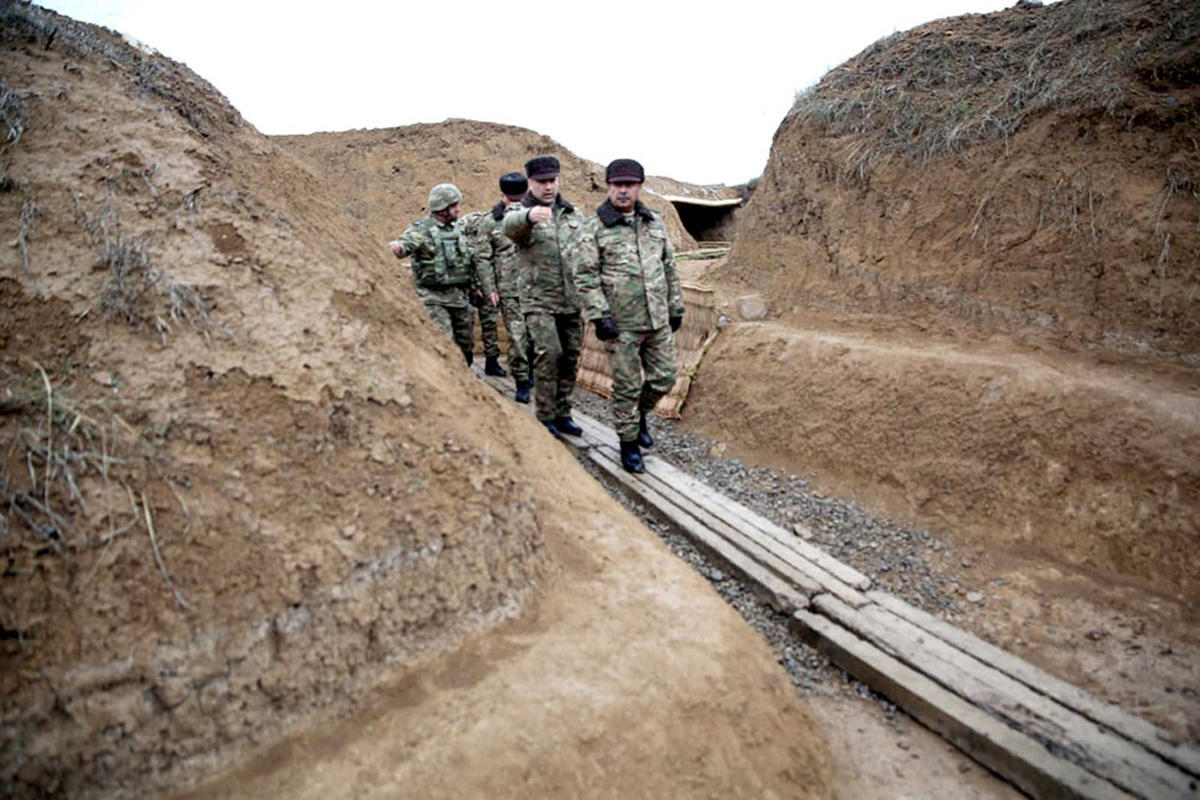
(1134, 728)
(1048, 737)
(738, 515)
(777, 592)
(1083, 742)
(786, 562)
(1006, 751)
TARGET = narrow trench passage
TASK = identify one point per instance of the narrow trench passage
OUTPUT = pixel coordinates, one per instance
(840, 528)
(877, 748)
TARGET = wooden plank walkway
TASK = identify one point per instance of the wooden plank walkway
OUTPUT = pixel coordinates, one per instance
(1049, 738)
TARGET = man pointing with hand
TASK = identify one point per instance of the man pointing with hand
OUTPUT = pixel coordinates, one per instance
(544, 228)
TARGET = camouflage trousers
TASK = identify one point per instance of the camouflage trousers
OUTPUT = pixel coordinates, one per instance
(557, 340)
(458, 324)
(489, 330)
(518, 339)
(643, 369)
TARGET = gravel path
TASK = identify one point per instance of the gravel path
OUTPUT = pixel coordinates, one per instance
(892, 554)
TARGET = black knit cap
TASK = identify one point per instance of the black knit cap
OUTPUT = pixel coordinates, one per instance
(624, 170)
(513, 184)
(542, 168)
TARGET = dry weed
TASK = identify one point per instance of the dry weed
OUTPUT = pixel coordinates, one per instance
(929, 92)
(243, 204)
(129, 275)
(54, 444)
(150, 72)
(29, 212)
(12, 122)
(133, 289)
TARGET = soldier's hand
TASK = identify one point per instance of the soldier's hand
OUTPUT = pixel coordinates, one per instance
(397, 248)
(494, 299)
(606, 329)
(540, 214)
(675, 322)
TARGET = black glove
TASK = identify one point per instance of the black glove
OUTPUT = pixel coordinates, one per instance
(606, 329)
(675, 322)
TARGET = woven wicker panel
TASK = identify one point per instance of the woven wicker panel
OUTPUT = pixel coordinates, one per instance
(691, 340)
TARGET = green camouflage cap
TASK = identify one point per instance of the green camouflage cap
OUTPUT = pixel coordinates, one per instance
(443, 196)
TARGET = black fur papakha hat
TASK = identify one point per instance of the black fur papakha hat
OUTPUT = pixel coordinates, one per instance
(624, 170)
(513, 184)
(542, 168)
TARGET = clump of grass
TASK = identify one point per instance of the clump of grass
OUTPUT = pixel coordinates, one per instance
(54, 443)
(58, 442)
(12, 124)
(1180, 183)
(29, 212)
(150, 72)
(935, 90)
(133, 289)
(189, 304)
(241, 203)
(156, 80)
(129, 275)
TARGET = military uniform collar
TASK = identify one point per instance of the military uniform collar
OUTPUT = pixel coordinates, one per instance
(529, 201)
(610, 216)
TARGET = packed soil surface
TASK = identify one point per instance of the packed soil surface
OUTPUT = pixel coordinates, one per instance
(250, 489)
(963, 295)
(381, 178)
(266, 536)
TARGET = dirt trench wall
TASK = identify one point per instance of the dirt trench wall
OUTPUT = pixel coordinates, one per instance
(1019, 455)
(174, 711)
(242, 472)
(996, 220)
(381, 178)
(1030, 172)
(269, 593)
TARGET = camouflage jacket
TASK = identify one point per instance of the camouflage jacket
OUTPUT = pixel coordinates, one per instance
(443, 266)
(545, 256)
(495, 253)
(627, 269)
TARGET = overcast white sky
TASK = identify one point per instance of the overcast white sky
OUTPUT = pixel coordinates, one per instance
(693, 90)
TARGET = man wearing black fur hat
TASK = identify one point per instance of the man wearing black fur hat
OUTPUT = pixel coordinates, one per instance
(496, 252)
(544, 228)
(630, 291)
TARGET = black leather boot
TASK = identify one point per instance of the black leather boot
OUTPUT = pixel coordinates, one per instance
(552, 428)
(644, 439)
(491, 366)
(631, 457)
(522, 393)
(568, 426)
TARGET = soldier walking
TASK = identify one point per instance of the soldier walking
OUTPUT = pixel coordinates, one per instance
(491, 246)
(484, 298)
(443, 267)
(630, 291)
(544, 228)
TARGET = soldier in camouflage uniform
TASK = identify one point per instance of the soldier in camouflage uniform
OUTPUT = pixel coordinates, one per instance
(491, 246)
(475, 226)
(544, 228)
(630, 290)
(443, 266)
